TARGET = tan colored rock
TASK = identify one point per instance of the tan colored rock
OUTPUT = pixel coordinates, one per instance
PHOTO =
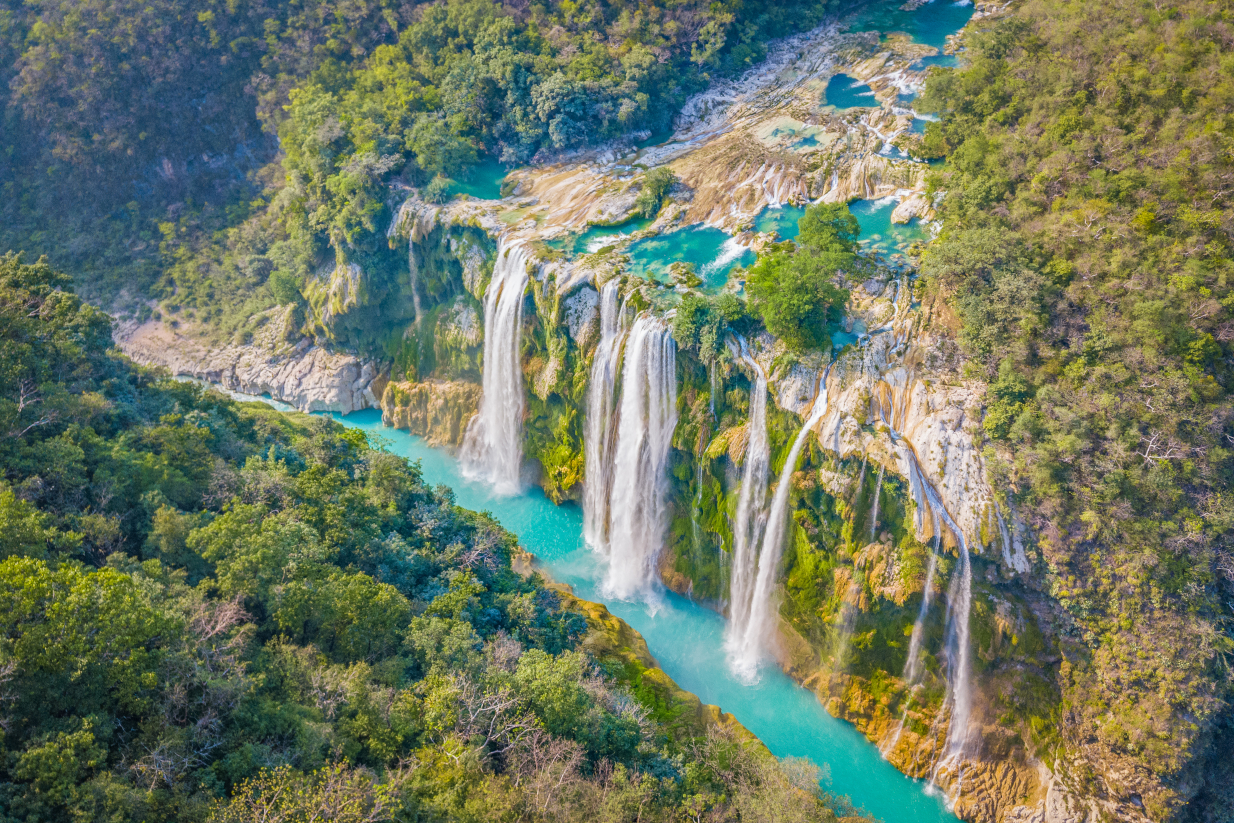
(917, 205)
(438, 411)
(308, 377)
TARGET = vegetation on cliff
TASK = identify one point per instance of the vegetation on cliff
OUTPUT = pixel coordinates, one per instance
(191, 148)
(1086, 263)
(216, 611)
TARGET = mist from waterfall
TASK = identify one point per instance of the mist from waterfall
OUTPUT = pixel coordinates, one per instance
(757, 633)
(638, 503)
(600, 429)
(493, 447)
(750, 502)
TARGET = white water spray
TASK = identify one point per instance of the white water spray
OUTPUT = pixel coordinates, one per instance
(598, 437)
(638, 504)
(878, 490)
(757, 634)
(753, 496)
(493, 449)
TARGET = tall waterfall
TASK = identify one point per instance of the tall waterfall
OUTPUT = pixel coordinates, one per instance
(638, 505)
(759, 628)
(598, 437)
(753, 496)
(492, 450)
(878, 491)
(959, 656)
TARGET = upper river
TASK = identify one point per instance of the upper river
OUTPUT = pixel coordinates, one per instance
(686, 639)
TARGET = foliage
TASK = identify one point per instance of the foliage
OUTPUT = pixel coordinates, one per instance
(1086, 254)
(147, 131)
(656, 185)
(214, 611)
(793, 291)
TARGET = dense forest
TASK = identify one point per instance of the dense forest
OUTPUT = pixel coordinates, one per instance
(212, 611)
(216, 611)
(191, 148)
(1085, 266)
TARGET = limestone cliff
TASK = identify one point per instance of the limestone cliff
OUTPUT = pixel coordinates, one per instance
(305, 375)
(438, 411)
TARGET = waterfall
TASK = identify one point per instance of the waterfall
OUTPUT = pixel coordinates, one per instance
(912, 665)
(598, 437)
(413, 277)
(492, 450)
(878, 490)
(753, 496)
(746, 654)
(959, 606)
(959, 656)
(648, 414)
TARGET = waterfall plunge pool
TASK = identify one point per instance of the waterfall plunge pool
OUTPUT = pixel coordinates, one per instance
(687, 640)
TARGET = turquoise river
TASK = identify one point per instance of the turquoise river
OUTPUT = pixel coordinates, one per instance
(686, 639)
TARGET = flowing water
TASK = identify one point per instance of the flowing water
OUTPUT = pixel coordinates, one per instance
(749, 653)
(711, 252)
(638, 506)
(492, 449)
(878, 492)
(598, 437)
(688, 642)
(750, 501)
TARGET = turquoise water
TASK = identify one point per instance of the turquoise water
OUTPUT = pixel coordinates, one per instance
(687, 640)
(597, 237)
(483, 181)
(879, 235)
(846, 92)
(712, 252)
(929, 25)
(782, 220)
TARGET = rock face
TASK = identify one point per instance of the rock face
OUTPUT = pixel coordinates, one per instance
(306, 376)
(438, 411)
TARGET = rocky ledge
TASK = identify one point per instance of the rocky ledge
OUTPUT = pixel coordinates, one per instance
(436, 410)
(306, 376)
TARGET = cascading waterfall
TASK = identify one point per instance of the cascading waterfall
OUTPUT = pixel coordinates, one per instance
(959, 661)
(598, 437)
(648, 414)
(959, 605)
(750, 502)
(912, 665)
(492, 449)
(758, 630)
(878, 490)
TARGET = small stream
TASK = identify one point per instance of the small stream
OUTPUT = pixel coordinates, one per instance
(687, 640)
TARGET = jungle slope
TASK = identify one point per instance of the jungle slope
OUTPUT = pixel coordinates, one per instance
(187, 150)
(214, 611)
(1085, 263)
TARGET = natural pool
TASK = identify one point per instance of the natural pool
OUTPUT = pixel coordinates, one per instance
(687, 640)
(846, 92)
(712, 253)
(928, 24)
(483, 181)
(878, 234)
(597, 237)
